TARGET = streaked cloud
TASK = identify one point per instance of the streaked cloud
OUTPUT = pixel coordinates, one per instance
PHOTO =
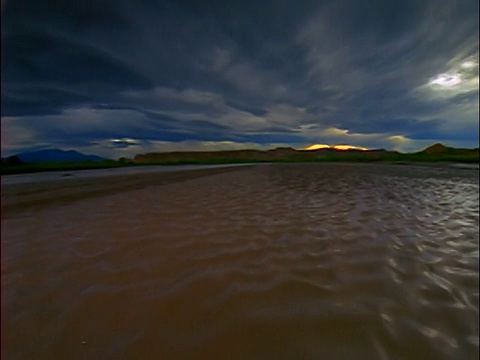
(176, 74)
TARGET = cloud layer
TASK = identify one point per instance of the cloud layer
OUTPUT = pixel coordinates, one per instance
(125, 77)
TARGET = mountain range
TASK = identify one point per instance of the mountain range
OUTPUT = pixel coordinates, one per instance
(56, 155)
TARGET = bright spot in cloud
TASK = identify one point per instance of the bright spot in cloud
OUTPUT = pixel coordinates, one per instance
(124, 141)
(398, 138)
(334, 132)
(468, 65)
(446, 80)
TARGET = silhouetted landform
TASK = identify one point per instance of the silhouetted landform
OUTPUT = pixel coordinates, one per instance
(53, 160)
(435, 153)
(439, 149)
(56, 155)
(274, 155)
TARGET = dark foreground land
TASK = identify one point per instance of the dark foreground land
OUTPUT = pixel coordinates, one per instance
(434, 154)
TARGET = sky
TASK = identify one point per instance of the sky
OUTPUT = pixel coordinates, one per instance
(117, 78)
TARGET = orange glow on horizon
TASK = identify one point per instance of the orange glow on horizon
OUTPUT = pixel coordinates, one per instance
(349, 147)
(336, 147)
(318, 146)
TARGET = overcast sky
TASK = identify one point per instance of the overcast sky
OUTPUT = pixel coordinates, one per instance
(121, 77)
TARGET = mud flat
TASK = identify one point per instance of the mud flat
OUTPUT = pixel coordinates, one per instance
(30, 191)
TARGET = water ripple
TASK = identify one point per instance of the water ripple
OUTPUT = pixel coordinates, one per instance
(280, 261)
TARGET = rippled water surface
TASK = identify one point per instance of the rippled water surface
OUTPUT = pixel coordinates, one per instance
(271, 262)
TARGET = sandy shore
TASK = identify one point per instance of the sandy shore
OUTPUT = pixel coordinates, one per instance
(34, 191)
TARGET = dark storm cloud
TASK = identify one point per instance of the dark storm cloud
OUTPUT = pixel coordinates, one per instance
(251, 71)
(27, 101)
(370, 124)
(242, 107)
(54, 60)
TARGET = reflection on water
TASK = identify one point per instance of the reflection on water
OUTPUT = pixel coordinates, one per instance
(281, 261)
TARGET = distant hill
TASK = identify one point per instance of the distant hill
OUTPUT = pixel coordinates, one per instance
(440, 149)
(436, 152)
(278, 154)
(56, 155)
(436, 149)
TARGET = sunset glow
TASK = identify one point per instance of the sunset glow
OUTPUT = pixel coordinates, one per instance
(317, 146)
(336, 147)
(348, 147)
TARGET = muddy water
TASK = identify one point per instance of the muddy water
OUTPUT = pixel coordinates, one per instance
(269, 262)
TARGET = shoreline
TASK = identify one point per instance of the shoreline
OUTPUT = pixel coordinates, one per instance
(440, 164)
(173, 167)
(28, 196)
(62, 175)
(29, 192)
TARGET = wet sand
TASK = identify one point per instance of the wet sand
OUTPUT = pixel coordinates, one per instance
(29, 192)
(293, 261)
